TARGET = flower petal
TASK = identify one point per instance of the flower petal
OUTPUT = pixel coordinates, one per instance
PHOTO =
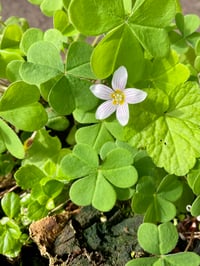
(134, 95)
(122, 114)
(119, 79)
(105, 110)
(101, 91)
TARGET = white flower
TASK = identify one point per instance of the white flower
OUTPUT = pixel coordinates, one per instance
(118, 97)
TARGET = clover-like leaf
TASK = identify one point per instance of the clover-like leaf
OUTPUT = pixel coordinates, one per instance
(96, 183)
(61, 97)
(111, 52)
(43, 63)
(117, 164)
(82, 162)
(149, 27)
(78, 60)
(29, 37)
(158, 240)
(154, 198)
(92, 18)
(19, 106)
(169, 131)
(94, 135)
(95, 190)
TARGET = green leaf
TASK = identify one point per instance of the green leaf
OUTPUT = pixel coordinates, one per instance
(62, 23)
(12, 70)
(104, 196)
(61, 96)
(55, 37)
(11, 36)
(179, 259)
(111, 52)
(10, 244)
(53, 188)
(117, 164)
(94, 135)
(94, 190)
(142, 261)
(193, 178)
(19, 106)
(148, 27)
(168, 131)
(44, 63)
(5, 58)
(49, 7)
(154, 198)
(11, 140)
(82, 190)
(78, 60)
(10, 204)
(168, 72)
(32, 35)
(187, 24)
(83, 161)
(36, 211)
(158, 240)
(43, 148)
(170, 188)
(195, 210)
(28, 176)
(93, 18)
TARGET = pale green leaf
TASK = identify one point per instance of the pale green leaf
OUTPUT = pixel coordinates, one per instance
(170, 135)
(29, 37)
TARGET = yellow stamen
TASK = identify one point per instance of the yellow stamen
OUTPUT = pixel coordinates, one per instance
(118, 97)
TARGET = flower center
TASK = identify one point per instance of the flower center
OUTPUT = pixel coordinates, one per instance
(118, 97)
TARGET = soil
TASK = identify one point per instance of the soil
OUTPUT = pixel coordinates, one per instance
(85, 237)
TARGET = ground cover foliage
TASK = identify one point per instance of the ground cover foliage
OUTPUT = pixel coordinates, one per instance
(62, 148)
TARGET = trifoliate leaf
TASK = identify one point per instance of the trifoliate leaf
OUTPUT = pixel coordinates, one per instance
(43, 63)
(93, 18)
(111, 52)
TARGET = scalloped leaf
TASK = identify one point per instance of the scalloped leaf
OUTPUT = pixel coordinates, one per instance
(169, 131)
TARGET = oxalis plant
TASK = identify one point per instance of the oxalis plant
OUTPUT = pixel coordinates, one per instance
(102, 108)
